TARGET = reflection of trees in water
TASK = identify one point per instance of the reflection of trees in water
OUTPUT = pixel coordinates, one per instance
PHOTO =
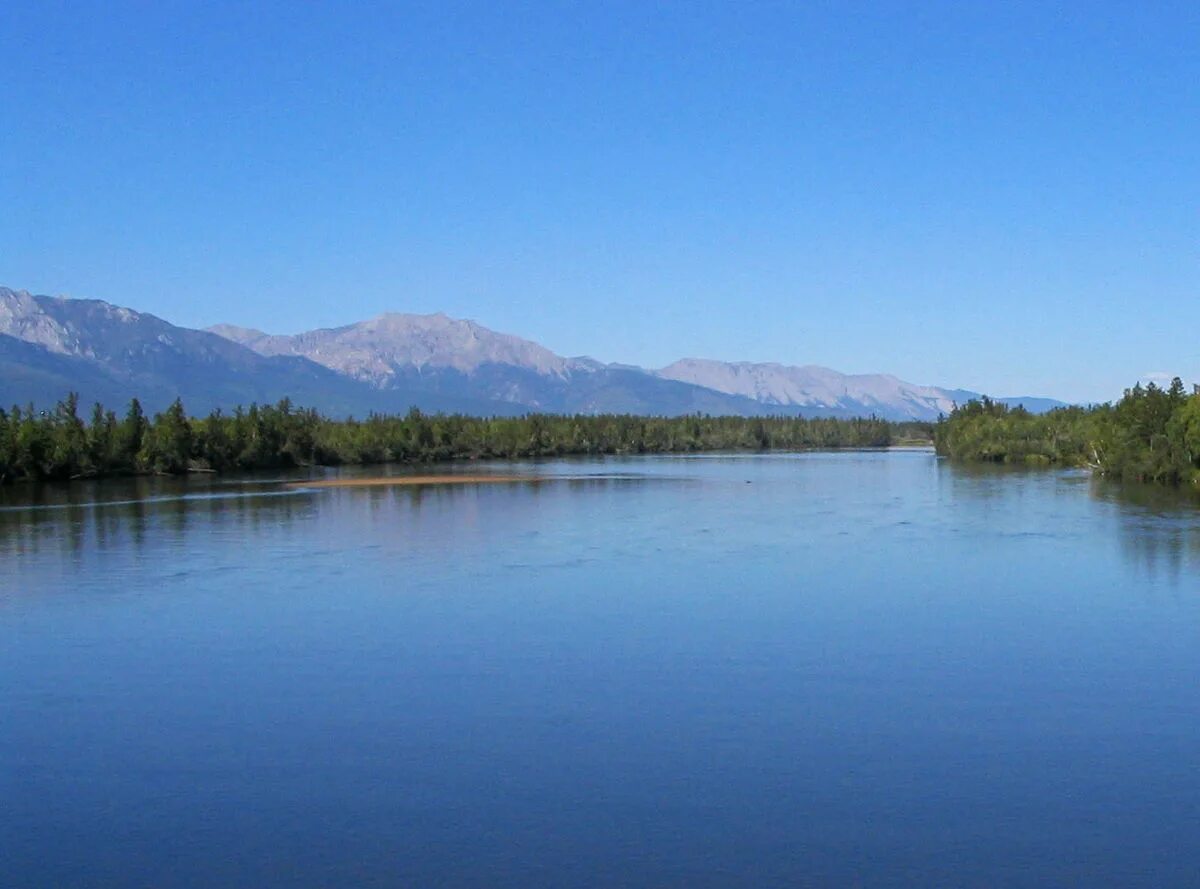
(415, 496)
(989, 481)
(252, 513)
(19, 538)
(123, 525)
(173, 517)
(403, 521)
(94, 518)
(992, 491)
(142, 513)
(1159, 527)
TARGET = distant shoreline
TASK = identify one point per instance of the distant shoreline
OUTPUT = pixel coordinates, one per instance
(60, 445)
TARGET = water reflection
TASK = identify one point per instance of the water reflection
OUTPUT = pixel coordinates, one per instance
(1159, 528)
(887, 663)
(84, 523)
(70, 522)
(1156, 528)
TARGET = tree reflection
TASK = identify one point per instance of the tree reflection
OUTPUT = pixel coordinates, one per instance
(1159, 527)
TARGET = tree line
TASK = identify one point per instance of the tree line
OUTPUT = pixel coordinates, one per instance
(1151, 434)
(60, 444)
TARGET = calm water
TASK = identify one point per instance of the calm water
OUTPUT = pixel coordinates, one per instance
(868, 669)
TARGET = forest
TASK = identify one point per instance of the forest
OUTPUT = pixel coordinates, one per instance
(60, 444)
(1152, 434)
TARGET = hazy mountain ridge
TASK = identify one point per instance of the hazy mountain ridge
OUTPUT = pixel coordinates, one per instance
(375, 350)
(50, 345)
(111, 354)
(454, 357)
(812, 386)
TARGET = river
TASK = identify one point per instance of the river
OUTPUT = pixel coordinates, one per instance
(824, 669)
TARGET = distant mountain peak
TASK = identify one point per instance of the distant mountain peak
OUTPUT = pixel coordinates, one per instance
(52, 345)
(235, 333)
(382, 349)
(813, 386)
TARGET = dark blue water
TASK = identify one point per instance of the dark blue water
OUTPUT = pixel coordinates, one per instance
(868, 669)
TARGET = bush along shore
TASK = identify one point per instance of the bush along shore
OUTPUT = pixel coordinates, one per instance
(1151, 434)
(59, 444)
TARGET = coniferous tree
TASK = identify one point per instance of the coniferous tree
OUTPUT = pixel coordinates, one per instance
(7, 446)
(68, 440)
(131, 436)
(168, 447)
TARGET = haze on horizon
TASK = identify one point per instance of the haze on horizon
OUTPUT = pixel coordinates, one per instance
(1002, 199)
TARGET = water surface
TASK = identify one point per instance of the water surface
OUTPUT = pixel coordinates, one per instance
(867, 668)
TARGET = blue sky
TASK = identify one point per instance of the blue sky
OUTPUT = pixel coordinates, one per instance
(1000, 196)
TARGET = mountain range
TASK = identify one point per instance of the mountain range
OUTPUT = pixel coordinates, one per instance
(53, 345)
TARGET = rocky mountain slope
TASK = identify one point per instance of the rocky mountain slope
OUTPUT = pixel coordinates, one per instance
(813, 387)
(52, 345)
(375, 351)
(462, 359)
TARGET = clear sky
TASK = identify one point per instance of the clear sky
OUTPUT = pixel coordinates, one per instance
(1000, 196)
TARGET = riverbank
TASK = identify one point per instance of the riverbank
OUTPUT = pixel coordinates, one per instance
(59, 445)
(1150, 435)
